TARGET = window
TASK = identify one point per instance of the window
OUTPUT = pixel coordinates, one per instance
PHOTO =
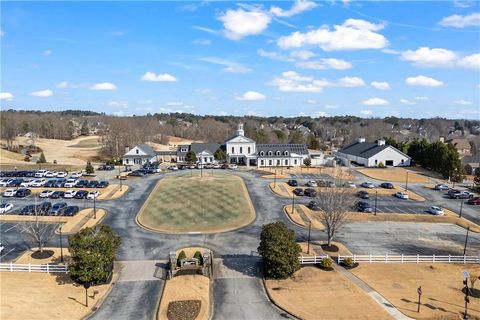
(269, 162)
(233, 149)
(285, 152)
(376, 161)
(277, 153)
(248, 150)
(126, 161)
(270, 153)
(137, 151)
(262, 153)
(295, 161)
(241, 150)
(278, 162)
(262, 162)
(403, 161)
(286, 162)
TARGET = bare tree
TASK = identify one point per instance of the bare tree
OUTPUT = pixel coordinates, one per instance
(36, 233)
(333, 207)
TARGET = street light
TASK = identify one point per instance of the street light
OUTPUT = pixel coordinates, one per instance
(94, 206)
(461, 208)
(275, 180)
(308, 241)
(467, 292)
(406, 182)
(120, 177)
(466, 240)
(375, 212)
(293, 202)
(61, 246)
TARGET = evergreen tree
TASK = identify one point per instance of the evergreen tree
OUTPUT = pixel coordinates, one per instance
(220, 155)
(191, 157)
(89, 168)
(42, 158)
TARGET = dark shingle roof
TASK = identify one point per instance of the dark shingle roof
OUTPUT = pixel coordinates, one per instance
(166, 153)
(365, 149)
(147, 149)
(291, 148)
(199, 147)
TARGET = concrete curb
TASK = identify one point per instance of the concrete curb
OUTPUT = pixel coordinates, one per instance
(275, 303)
(159, 301)
(96, 306)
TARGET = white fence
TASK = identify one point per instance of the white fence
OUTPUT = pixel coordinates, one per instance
(311, 259)
(411, 259)
(46, 268)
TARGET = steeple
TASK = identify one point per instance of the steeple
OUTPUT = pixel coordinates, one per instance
(240, 131)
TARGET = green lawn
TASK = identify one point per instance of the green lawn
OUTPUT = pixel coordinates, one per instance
(182, 204)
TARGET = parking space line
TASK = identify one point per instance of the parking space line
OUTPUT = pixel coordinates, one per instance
(400, 210)
(388, 209)
(14, 226)
(3, 255)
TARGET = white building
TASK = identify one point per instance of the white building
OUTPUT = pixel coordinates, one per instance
(240, 149)
(140, 154)
(372, 154)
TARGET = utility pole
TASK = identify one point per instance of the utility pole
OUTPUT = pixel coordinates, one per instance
(275, 179)
(94, 207)
(120, 177)
(466, 241)
(61, 246)
(467, 292)
(406, 182)
(293, 201)
(461, 208)
(375, 212)
(419, 291)
(308, 241)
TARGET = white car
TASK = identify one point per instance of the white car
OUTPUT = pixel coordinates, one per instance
(40, 173)
(76, 175)
(367, 185)
(2, 247)
(216, 166)
(311, 183)
(27, 183)
(173, 168)
(438, 211)
(232, 166)
(61, 174)
(46, 193)
(350, 184)
(50, 174)
(5, 207)
(10, 193)
(441, 186)
(38, 183)
(93, 195)
(69, 194)
(401, 195)
(5, 182)
(70, 183)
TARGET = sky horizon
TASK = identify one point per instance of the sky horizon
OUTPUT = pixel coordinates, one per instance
(262, 58)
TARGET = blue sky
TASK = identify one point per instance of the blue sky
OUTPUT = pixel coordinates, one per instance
(370, 59)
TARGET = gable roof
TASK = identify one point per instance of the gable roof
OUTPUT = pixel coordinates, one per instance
(367, 149)
(199, 147)
(231, 138)
(274, 147)
(147, 149)
(460, 143)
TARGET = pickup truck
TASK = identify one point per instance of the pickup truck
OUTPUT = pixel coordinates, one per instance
(461, 195)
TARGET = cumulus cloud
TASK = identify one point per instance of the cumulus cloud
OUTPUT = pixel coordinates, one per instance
(426, 57)
(250, 96)
(380, 85)
(366, 112)
(353, 34)
(118, 104)
(7, 96)
(458, 21)
(322, 64)
(298, 7)
(291, 81)
(62, 85)
(161, 77)
(462, 102)
(46, 53)
(423, 81)
(104, 86)
(239, 23)
(471, 61)
(41, 93)
(351, 82)
(230, 66)
(302, 54)
(409, 102)
(374, 102)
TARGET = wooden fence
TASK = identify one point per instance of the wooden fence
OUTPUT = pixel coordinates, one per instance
(311, 259)
(411, 259)
(46, 268)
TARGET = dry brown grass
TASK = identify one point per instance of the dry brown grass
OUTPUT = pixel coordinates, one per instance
(316, 294)
(188, 287)
(302, 220)
(441, 285)
(26, 257)
(284, 173)
(393, 175)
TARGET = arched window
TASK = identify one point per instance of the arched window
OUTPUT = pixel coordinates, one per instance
(270, 153)
(277, 153)
(285, 153)
(262, 153)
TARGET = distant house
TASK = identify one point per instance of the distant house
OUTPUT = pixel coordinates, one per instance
(473, 161)
(303, 129)
(462, 145)
(371, 154)
(203, 151)
(140, 155)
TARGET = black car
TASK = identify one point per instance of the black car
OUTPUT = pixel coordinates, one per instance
(313, 205)
(29, 210)
(81, 184)
(81, 194)
(387, 185)
(92, 184)
(136, 173)
(298, 191)
(57, 195)
(22, 193)
(30, 174)
(44, 207)
(70, 211)
(106, 168)
(58, 208)
(292, 183)
(103, 184)
(15, 183)
(363, 206)
(50, 183)
(363, 194)
(60, 183)
(309, 192)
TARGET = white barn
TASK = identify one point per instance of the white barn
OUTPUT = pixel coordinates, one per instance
(370, 154)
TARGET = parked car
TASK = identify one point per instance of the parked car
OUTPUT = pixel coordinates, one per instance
(363, 206)
(363, 194)
(93, 195)
(452, 191)
(224, 166)
(292, 183)
(61, 174)
(58, 208)
(81, 184)
(60, 183)
(29, 210)
(350, 184)
(137, 173)
(103, 184)
(326, 183)
(70, 183)
(46, 193)
(30, 174)
(5, 182)
(26, 183)
(215, 166)
(9, 192)
(387, 185)
(401, 195)
(50, 174)
(81, 194)
(71, 211)
(313, 205)
(441, 186)
(76, 175)
(57, 195)
(367, 185)
(173, 168)
(50, 183)
(15, 183)
(38, 183)
(461, 194)
(40, 173)
(298, 191)
(438, 211)
(44, 207)
(311, 184)
(309, 192)
(69, 194)
(106, 167)
(92, 184)
(5, 207)
(22, 193)
(474, 201)
(232, 166)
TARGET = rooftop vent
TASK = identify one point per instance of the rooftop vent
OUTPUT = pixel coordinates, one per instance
(380, 142)
(361, 140)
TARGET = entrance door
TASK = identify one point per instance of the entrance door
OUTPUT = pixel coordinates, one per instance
(389, 162)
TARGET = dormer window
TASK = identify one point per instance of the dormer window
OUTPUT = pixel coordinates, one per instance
(270, 153)
(277, 153)
(285, 153)
(262, 153)
(137, 151)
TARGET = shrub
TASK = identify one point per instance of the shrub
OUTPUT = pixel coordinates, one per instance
(27, 159)
(348, 262)
(326, 263)
(42, 159)
(198, 255)
(279, 250)
(381, 165)
(307, 162)
(182, 255)
(89, 168)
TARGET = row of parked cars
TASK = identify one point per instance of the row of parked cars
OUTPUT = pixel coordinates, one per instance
(458, 194)
(40, 174)
(203, 166)
(45, 208)
(52, 183)
(331, 184)
(53, 194)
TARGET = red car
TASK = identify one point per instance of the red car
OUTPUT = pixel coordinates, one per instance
(474, 201)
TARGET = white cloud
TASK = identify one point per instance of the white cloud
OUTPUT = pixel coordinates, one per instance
(366, 112)
(202, 42)
(145, 102)
(458, 21)
(329, 63)
(423, 81)
(471, 61)
(302, 54)
(351, 35)
(298, 7)
(405, 101)
(375, 102)
(351, 82)
(62, 85)
(274, 55)
(7, 96)
(230, 66)
(41, 93)
(204, 29)
(250, 96)
(426, 57)
(115, 33)
(321, 114)
(329, 106)
(291, 81)
(46, 53)
(174, 103)
(312, 101)
(422, 98)
(463, 4)
(240, 23)
(380, 85)
(463, 102)
(65, 85)
(118, 104)
(161, 77)
(104, 86)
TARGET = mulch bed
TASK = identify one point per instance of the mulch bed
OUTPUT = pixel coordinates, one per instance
(183, 310)
(42, 254)
(332, 248)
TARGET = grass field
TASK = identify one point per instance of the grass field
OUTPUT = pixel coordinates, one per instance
(183, 204)
(394, 175)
